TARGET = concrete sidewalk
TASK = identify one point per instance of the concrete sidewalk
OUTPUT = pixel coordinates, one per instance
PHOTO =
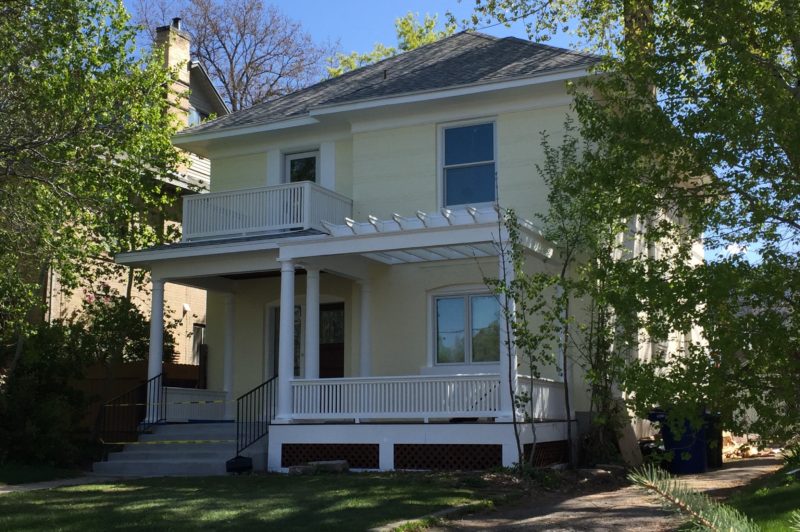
(625, 509)
(49, 484)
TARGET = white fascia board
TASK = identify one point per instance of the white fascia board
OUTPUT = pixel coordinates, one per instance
(147, 257)
(182, 139)
(461, 90)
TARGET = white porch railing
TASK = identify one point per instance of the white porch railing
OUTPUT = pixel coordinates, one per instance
(547, 397)
(262, 210)
(418, 396)
(184, 404)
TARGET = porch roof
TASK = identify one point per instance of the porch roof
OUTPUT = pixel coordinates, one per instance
(447, 235)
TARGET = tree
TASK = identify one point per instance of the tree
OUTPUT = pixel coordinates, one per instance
(699, 109)
(84, 138)
(252, 51)
(411, 34)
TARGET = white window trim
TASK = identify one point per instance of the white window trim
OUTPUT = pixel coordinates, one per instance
(289, 157)
(440, 159)
(461, 291)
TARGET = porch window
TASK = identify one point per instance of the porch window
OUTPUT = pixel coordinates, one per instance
(467, 329)
(469, 164)
(302, 167)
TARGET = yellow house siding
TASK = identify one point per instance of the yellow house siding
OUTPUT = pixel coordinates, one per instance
(394, 170)
(240, 171)
(519, 150)
(344, 167)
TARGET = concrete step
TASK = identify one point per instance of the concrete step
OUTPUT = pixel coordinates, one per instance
(194, 437)
(193, 428)
(153, 468)
(157, 454)
(181, 447)
(173, 455)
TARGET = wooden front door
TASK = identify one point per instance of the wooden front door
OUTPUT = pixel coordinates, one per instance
(331, 340)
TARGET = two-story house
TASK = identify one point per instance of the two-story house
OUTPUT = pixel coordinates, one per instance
(344, 245)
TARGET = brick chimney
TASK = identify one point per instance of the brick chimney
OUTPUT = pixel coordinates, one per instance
(176, 45)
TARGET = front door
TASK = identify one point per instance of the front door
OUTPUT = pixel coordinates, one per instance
(331, 340)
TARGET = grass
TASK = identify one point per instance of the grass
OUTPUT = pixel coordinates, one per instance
(770, 501)
(12, 473)
(268, 502)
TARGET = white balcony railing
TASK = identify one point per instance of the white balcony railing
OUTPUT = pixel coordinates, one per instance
(445, 396)
(262, 210)
(547, 398)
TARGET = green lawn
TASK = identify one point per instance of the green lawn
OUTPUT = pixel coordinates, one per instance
(268, 502)
(25, 474)
(770, 501)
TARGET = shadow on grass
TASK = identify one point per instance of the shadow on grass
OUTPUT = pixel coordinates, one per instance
(346, 502)
(12, 474)
(770, 500)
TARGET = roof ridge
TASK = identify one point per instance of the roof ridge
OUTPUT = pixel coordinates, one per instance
(415, 51)
(550, 47)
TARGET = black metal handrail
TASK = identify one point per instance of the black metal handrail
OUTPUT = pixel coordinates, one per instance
(126, 416)
(254, 411)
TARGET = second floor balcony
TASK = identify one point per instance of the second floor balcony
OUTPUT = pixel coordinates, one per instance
(263, 210)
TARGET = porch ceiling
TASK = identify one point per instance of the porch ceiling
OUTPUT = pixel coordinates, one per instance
(465, 251)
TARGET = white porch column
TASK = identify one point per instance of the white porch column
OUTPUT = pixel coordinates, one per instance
(312, 323)
(227, 365)
(365, 360)
(508, 354)
(156, 330)
(156, 353)
(286, 342)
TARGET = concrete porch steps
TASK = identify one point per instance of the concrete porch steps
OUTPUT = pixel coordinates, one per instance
(178, 449)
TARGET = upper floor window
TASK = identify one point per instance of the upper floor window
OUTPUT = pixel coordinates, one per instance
(302, 167)
(196, 117)
(469, 164)
(467, 329)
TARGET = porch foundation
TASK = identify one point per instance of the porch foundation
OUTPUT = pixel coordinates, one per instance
(389, 437)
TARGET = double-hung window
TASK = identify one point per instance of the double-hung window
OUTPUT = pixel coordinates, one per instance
(469, 164)
(467, 329)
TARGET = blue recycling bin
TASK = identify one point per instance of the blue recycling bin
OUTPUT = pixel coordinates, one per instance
(689, 448)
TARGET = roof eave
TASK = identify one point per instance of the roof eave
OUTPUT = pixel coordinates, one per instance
(182, 139)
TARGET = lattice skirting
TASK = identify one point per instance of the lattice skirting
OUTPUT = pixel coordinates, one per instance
(358, 455)
(548, 453)
(468, 457)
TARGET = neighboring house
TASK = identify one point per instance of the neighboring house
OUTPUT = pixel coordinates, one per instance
(366, 206)
(186, 305)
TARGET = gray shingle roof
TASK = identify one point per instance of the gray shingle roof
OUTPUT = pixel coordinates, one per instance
(465, 58)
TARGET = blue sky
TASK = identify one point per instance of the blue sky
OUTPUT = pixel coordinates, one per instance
(359, 24)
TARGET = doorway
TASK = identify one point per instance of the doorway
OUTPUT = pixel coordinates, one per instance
(331, 340)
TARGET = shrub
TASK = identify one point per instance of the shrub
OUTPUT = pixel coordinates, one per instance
(40, 411)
